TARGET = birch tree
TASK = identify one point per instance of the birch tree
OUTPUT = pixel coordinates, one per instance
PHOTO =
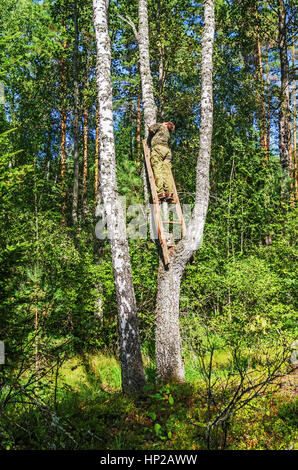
(150, 110)
(62, 67)
(169, 360)
(133, 378)
(76, 123)
(149, 106)
(284, 118)
(142, 37)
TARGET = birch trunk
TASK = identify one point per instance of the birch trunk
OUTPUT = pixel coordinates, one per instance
(63, 158)
(161, 68)
(139, 124)
(168, 348)
(150, 110)
(149, 106)
(257, 56)
(96, 157)
(169, 361)
(85, 158)
(261, 96)
(268, 103)
(76, 123)
(294, 128)
(63, 132)
(284, 118)
(133, 378)
(85, 126)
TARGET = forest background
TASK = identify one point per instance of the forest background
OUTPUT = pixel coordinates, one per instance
(60, 381)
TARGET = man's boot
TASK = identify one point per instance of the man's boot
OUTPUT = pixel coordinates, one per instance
(169, 197)
(162, 196)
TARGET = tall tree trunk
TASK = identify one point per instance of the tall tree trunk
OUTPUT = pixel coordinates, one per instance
(131, 122)
(168, 346)
(76, 123)
(133, 378)
(96, 157)
(149, 106)
(150, 110)
(36, 283)
(248, 71)
(85, 127)
(169, 361)
(257, 55)
(168, 349)
(85, 152)
(161, 68)
(295, 165)
(161, 81)
(139, 124)
(63, 131)
(63, 158)
(261, 96)
(268, 102)
(85, 158)
(284, 118)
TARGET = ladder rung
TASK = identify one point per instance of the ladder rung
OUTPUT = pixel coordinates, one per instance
(157, 204)
(171, 222)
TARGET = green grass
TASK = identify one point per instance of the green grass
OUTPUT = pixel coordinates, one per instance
(90, 412)
(193, 370)
(91, 373)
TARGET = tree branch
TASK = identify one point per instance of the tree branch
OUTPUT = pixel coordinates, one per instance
(131, 24)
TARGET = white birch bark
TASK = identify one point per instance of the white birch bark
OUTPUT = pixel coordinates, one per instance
(150, 110)
(133, 378)
(168, 344)
(169, 361)
(76, 124)
(284, 117)
(149, 106)
(142, 37)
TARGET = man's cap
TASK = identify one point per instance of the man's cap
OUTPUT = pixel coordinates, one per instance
(170, 125)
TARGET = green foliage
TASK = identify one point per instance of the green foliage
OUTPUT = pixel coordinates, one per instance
(57, 298)
(86, 410)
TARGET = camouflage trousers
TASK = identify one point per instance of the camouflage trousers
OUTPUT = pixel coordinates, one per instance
(161, 157)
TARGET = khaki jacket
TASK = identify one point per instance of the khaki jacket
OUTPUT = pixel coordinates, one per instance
(161, 134)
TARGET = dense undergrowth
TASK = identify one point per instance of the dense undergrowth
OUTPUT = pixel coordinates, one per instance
(238, 303)
(60, 390)
(83, 408)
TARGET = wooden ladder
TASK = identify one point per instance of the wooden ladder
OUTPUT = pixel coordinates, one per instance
(163, 240)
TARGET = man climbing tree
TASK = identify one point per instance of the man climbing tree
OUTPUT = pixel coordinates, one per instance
(161, 157)
(168, 351)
